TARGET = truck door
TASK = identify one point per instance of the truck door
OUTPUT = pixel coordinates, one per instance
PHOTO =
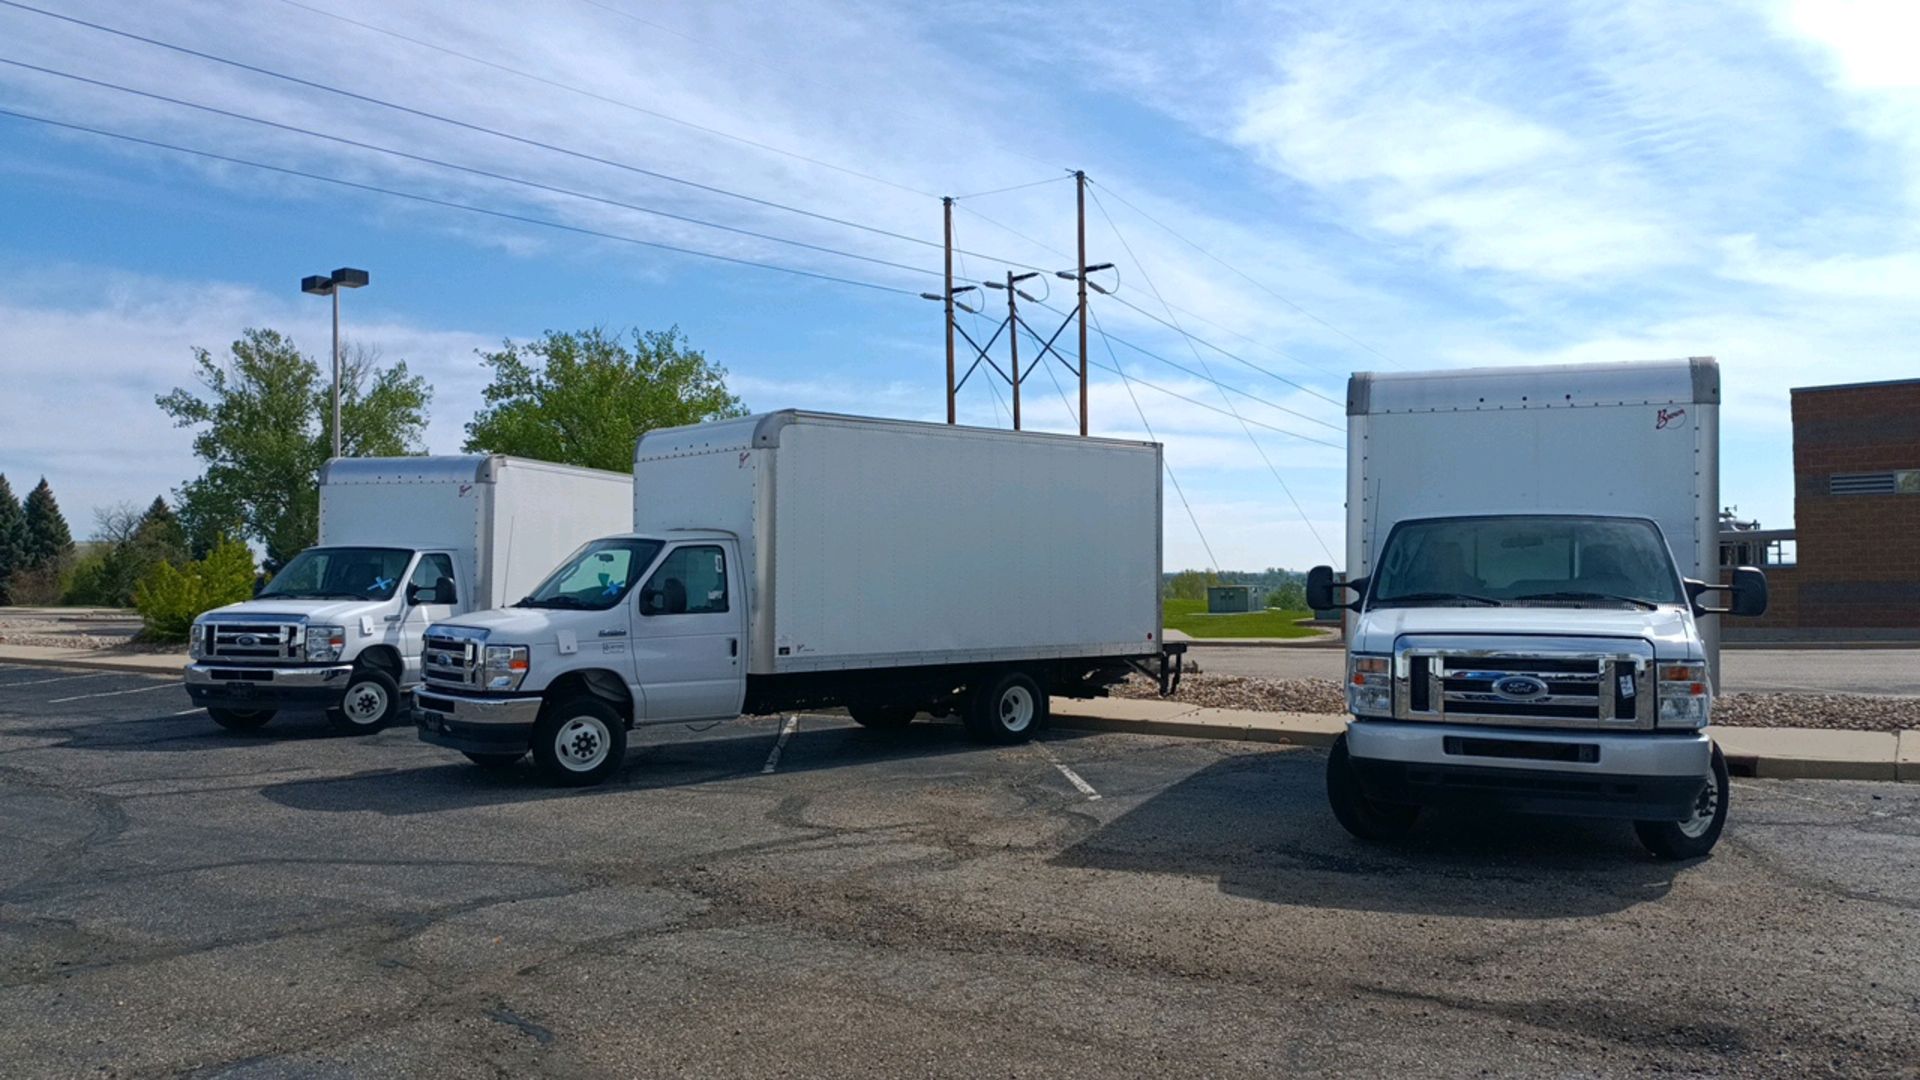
(432, 594)
(689, 636)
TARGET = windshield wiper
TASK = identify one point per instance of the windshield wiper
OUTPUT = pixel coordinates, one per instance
(1421, 597)
(1574, 594)
(571, 603)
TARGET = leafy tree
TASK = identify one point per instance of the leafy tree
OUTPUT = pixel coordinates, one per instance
(1191, 584)
(127, 544)
(267, 427)
(13, 538)
(169, 598)
(585, 398)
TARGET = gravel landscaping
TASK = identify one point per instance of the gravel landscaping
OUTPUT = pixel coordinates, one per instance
(1847, 712)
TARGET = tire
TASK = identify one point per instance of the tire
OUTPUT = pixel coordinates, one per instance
(371, 702)
(579, 741)
(1694, 837)
(240, 719)
(495, 761)
(1007, 709)
(882, 717)
(1367, 819)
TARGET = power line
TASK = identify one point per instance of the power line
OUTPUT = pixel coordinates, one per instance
(1003, 190)
(583, 92)
(483, 129)
(1189, 314)
(503, 177)
(1213, 562)
(1250, 279)
(1224, 396)
(1191, 338)
(452, 205)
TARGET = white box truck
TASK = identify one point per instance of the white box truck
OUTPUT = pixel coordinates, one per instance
(802, 560)
(403, 541)
(1527, 552)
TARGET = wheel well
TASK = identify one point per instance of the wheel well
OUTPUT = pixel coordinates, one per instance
(383, 658)
(596, 682)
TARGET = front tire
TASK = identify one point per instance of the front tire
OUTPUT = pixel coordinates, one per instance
(1009, 709)
(240, 719)
(1695, 836)
(579, 741)
(1367, 819)
(371, 702)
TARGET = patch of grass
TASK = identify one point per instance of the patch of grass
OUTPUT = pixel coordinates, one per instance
(1190, 617)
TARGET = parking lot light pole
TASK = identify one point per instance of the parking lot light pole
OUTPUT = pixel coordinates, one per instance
(330, 285)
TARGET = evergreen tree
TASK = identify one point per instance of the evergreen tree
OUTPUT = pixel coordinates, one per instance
(13, 538)
(160, 534)
(49, 541)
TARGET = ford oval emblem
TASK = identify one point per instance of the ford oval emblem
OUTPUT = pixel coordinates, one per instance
(1520, 688)
(246, 641)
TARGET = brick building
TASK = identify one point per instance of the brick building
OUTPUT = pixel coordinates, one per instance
(1856, 470)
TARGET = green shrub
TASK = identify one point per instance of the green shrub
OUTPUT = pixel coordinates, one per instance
(169, 598)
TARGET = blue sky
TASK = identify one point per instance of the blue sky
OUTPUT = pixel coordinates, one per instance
(1402, 187)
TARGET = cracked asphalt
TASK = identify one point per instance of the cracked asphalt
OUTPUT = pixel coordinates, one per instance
(175, 899)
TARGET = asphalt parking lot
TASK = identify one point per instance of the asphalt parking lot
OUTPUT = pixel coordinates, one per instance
(177, 899)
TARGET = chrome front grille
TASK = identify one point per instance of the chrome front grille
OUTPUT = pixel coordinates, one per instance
(447, 660)
(1581, 683)
(259, 640)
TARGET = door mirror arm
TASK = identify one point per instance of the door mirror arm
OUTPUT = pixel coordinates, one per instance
(1321, 586)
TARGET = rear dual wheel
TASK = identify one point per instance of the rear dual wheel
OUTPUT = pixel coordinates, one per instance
(882, 717)
(1007, 709)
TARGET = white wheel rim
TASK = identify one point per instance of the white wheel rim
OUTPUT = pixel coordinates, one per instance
(365, 702)
(1704, 809)
(1016, 708)
(582, 743)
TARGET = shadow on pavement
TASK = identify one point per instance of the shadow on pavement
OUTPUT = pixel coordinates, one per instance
(1259, 824)
(192, 731)
(664, 758)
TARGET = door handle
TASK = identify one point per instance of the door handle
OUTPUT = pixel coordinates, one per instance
(733, 646)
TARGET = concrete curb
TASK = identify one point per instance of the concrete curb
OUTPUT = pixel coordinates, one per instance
(1765, 753)
(38, 656)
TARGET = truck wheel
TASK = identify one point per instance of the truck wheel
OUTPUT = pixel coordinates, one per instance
(370, 703)
(239, 719)
(882, 717)
(495, 761)
(1368, 819)
(579, 741)
(1007, 710)
(1694, 837)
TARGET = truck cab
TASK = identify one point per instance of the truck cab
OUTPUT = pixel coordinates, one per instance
(1542, 663)
(630, 630)
(338, 628)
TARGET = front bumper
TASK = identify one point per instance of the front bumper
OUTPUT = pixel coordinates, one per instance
(250, 685)
(476, 725)
(1640, 776)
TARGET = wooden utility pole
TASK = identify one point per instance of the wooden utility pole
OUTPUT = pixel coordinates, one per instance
(1080, 198)
(946, 204)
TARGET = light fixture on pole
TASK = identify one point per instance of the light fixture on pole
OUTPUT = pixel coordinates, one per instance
(330, 285)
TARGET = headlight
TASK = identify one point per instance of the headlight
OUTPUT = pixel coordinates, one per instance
(1369, 686)
(197, 641)
(1685, 695)
(325, 643)
(506, 666)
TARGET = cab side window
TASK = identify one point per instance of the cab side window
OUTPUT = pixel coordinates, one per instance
(689, 581)
(432, 580)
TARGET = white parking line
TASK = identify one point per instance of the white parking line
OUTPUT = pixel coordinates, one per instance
(786, 732)
(1073, 778)
(63, 678)
(169, 685)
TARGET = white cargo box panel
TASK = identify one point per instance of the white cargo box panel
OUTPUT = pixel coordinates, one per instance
(1638, 439)
(513, 518)
(880, 543)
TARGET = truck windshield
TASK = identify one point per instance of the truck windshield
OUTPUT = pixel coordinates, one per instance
(1541, 560)
(340, 573)
(596, 576)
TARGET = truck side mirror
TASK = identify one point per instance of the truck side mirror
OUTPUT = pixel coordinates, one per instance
(1321, 586)
(259, 584)
(653, 601)
(1747, 594)
(413, 594)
